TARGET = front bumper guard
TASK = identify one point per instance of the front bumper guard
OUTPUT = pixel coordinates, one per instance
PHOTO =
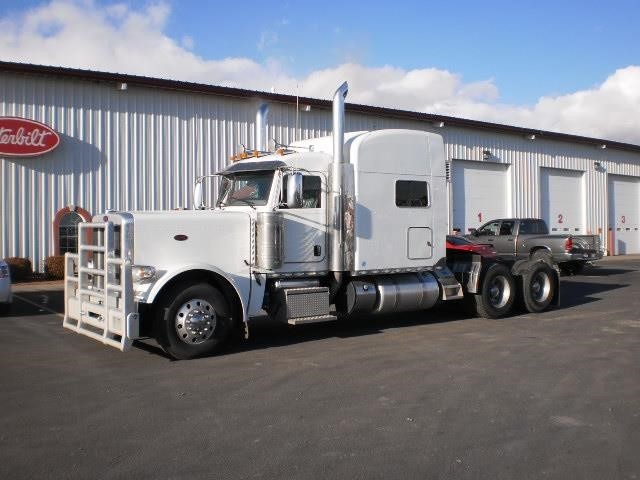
(98, 290)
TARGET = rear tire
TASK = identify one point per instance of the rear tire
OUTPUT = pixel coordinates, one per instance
(192, 322)
(5, 308)
(538, 287)
(497, 293)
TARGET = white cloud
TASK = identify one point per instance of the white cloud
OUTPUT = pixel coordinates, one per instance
(118, 38)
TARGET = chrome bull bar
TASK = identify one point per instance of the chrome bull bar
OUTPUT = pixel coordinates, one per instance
(98, 285)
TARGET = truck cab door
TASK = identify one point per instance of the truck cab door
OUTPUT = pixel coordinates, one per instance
(305, 228)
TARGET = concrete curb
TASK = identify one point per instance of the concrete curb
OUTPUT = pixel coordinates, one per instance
(45, 286)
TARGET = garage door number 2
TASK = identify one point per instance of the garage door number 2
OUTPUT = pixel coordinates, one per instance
(560, 218)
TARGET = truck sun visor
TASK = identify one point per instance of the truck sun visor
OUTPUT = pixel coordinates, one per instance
(253, 166)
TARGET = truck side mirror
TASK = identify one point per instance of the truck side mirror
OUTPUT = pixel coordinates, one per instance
(294, 190)
(197, 196)
(473, 231)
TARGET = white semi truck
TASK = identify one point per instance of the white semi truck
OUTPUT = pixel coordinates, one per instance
(316, 231)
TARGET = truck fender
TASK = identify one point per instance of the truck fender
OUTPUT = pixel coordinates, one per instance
(170, 275)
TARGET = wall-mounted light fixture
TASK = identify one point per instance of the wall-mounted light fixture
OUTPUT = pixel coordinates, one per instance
(486, 154)
(602, 146)
(438, 124)
(599, 167)
(121, 86)
(531, 136)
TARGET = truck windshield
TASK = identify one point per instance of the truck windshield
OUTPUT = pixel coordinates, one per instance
(245, 188)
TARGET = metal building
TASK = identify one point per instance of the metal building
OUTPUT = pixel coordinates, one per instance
(129, 142)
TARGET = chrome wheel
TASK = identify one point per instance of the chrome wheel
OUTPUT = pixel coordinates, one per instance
(499, 292)
(195, 321)
(540, 287)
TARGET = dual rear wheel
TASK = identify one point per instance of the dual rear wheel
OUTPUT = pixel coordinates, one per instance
(538, 287)
(498, 291)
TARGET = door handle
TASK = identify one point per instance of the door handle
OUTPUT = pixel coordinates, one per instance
(428, 244)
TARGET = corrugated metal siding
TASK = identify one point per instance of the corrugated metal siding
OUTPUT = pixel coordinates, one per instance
(129, 150)
(142, 148)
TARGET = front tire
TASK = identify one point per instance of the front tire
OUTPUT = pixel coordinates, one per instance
(538, 287)
(192, 322)
(497, 293)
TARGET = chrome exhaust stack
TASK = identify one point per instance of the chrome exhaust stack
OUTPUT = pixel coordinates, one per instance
(336, 258)
(262, 137)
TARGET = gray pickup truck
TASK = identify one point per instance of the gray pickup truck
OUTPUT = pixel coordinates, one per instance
(518, 238)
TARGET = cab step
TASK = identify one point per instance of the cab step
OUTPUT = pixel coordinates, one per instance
(298, 306)
(316, 319)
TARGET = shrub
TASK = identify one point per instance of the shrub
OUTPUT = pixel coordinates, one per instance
(54, 267)
(20, 268)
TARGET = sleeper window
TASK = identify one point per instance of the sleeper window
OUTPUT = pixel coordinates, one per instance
(412, 193)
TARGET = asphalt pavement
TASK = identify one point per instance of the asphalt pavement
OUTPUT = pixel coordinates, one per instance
(424, 395)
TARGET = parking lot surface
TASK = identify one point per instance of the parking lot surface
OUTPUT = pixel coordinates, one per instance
(425, 395)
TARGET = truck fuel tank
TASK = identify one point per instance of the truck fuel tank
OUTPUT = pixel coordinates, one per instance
(269, 240)
(392, 293)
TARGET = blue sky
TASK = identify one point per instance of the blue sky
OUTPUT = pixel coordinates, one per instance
(530, 48)
(561, 66)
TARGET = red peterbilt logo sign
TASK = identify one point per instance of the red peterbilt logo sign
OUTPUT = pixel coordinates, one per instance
(20, 137)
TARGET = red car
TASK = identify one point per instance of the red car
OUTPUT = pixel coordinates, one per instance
(462, 245)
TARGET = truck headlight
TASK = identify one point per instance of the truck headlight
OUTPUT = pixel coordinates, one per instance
(142, 272)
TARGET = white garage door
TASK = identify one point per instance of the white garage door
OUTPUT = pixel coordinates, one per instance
(562, 200)
(480, 193)
(624, 214)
